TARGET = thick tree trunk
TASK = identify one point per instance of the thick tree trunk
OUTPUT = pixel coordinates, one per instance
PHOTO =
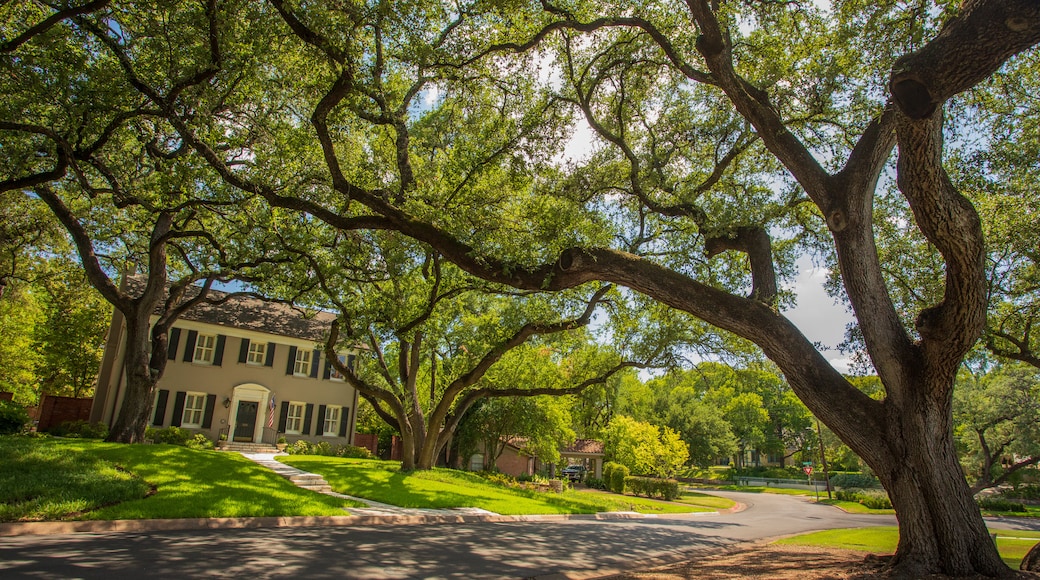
(941, 528)
(132, 420)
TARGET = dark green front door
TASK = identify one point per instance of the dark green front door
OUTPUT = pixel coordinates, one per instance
(245, 420)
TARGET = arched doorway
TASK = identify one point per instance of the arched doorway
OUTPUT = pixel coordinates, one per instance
(249, 408)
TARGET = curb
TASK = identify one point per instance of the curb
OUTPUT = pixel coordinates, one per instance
(109, 526)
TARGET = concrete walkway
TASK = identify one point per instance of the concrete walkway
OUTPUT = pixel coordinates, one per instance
(310, 481)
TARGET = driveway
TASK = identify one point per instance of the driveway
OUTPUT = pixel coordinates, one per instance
(547, 549)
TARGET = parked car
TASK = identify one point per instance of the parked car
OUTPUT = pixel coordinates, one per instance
(574, 472)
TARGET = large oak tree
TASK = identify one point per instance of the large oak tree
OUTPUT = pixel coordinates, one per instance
(732, 136)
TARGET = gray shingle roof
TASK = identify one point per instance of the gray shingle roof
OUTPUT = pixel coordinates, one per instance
(256, 314)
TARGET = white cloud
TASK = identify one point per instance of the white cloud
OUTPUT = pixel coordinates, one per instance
(817, 315)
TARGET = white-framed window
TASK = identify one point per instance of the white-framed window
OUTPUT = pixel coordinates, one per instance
(194, 405)
(335, 375)
(205, 345)
(257, 353)
(332, 418)
(476, 462)
(294, 419)
(302, 368)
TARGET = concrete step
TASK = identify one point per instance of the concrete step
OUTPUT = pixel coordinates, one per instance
(317, 488)
(251, 447)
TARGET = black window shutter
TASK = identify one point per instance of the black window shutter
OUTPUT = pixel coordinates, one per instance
(314, 363)
(351, 359)
(344, 412)
(160, 407)
(292, 361)
(178, 409)
(243, 351)
(319, 429)
(207, 414)
(282, 416)
(270, 355)
(218, 353)
(307, 416)
(328, 370)
(189, 346)
(173, 338)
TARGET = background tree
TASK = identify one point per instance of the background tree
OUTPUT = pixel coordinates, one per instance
(439, 341)
(20, 312)
(95, 148)
(998, 422)
(539, 426)
(643, 448)
(70, 337)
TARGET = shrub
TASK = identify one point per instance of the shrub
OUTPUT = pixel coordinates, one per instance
(178, 436)
(595, 483)
(198, 441)
(1028, 491)
(855, 480)
(872, 499)
(614, 474)
(667, 489)
(81, 428)
(13, 418)
(354, 452)
(525, 477)
(302, 447)
(997, 504)
(170, 435)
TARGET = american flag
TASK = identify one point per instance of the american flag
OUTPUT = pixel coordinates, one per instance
(270, 412)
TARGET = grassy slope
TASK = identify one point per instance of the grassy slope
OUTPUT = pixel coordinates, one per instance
(1012, 544)
(48, 479)
(443, 488)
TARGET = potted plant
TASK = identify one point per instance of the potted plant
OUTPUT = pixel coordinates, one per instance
(281, 444)
(222, 440)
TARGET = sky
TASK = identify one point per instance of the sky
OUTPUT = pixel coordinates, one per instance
(817, 315)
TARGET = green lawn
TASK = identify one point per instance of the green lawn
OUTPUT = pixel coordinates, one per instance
(445, 488)
(59, 479)
(1012, 544)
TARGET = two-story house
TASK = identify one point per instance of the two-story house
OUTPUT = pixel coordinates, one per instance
(250, 368)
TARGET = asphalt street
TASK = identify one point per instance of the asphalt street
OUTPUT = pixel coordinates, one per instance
(577, 548)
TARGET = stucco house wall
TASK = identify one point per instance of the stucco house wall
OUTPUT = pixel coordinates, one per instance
(249, 368)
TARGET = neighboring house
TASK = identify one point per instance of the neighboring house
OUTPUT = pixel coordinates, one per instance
(250, 368)
(515, 460)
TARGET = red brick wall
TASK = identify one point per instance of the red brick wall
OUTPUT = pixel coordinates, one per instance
(56, 410)
(513, 463)
(369, 441)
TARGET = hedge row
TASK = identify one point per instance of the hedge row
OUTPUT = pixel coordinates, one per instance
(614, 475)
(667, 489)
(871, 499)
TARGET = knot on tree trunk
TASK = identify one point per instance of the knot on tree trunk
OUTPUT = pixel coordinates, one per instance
(912, 97)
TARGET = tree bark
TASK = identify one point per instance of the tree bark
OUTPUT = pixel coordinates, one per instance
(132, 419)
(940, 526)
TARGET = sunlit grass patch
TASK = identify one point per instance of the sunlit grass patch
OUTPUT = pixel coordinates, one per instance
(383, 481)
(54, 479)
